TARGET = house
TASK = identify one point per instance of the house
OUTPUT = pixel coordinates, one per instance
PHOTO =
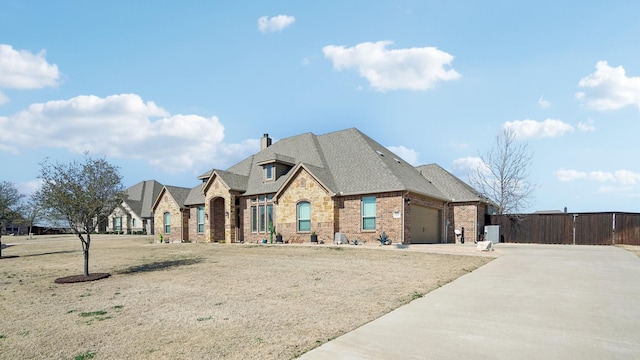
(134, 214)
(340, 182)
(466, 207)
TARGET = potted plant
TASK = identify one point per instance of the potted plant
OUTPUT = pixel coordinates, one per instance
(314, 237)
(278, 238)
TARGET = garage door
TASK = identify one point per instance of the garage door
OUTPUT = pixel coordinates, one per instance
(425, 225)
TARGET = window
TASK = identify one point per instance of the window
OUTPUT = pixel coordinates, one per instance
(304, 216)
(268, 172)
(261, 213)
(167, 223)
(369, 213)
(254, 219)
(133, 222)
(200, 219)
(117, 224)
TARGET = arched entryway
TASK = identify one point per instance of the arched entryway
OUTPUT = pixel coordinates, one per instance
(217, 219)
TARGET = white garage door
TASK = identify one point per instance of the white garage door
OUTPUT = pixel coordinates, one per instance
(425, 225)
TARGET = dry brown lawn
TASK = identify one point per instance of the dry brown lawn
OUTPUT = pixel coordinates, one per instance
(202, 301)
(631, 248)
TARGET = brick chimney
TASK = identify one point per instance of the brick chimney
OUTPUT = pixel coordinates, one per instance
(265, 142)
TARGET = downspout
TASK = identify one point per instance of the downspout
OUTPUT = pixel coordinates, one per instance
(475, 222)
(404, 204)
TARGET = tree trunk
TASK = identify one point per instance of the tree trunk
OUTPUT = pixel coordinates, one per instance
(85, 252)
(86, 262)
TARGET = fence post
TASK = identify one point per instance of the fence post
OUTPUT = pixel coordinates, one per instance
(613, 229)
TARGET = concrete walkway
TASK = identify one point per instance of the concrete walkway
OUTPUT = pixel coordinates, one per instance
(533, 302)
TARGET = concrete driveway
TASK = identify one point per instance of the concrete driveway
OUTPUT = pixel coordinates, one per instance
(533, 302)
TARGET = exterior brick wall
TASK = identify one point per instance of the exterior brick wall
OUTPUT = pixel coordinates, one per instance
(468, 215)
(194, 235)
(350, 215)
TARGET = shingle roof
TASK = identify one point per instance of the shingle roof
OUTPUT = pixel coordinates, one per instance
(142, 196)
(346, 161)
(179, 194)
(195, 197)
(451, 186)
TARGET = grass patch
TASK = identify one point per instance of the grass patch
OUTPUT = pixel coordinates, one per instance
(85, 356)
(204, 318)
(92, 313)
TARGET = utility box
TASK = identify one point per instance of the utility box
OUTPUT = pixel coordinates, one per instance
(492, 233)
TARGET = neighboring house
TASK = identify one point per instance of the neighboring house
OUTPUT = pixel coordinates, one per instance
(467, 208)
(171, 215)
(307, 184)
(134, 214)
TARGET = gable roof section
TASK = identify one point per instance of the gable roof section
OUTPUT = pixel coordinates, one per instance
(451, 186)
(346, 162)
(316, 172)
(179, 195)
(142, 197)
(232, 181)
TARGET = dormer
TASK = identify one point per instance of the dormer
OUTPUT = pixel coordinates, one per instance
(276, 166)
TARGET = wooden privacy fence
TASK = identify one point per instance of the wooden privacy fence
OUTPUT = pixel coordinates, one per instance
(569, 228)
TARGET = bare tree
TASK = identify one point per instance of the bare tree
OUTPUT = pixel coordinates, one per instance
(10, 200)
(82, 194)
(504, 174)
(30, 212)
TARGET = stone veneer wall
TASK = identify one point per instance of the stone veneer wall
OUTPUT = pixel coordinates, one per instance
(177, 220)
(219, 190)
(302, 188)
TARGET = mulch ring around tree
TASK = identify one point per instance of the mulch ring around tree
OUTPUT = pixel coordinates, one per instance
(81, 278)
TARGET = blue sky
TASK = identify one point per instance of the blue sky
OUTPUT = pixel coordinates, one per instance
(168, 90)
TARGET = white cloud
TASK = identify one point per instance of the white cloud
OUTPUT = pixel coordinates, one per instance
(20, 69)
(543, 103)
(276, 23)
(411, 68)
(570, 175)
(122, 126)
(586, 127)
(609, 88)
(622, 177)
(469, 163)
(408, 155)
(531, 128)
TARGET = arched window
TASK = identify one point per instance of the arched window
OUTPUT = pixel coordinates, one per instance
(304, 216)
(167, 222)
